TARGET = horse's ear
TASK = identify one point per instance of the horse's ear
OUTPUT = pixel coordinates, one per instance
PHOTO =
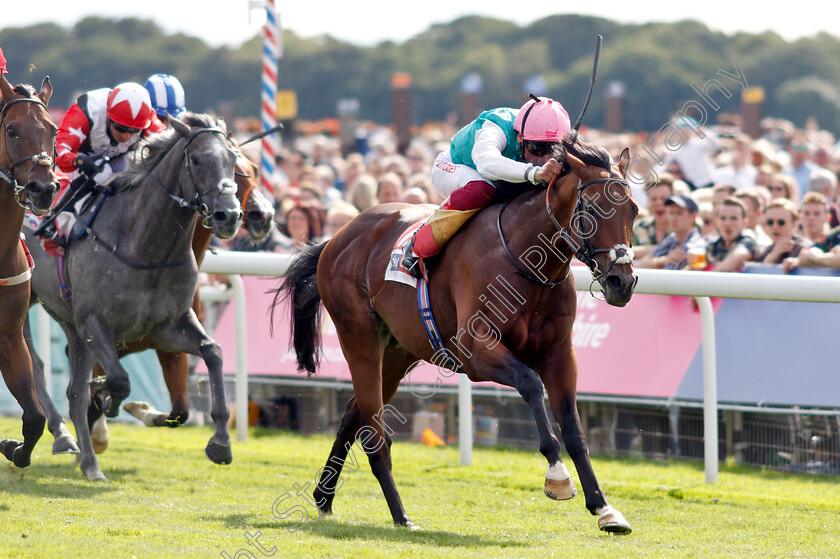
(220, 122)
(6, 88)
(182, 129)
(575, 162)
(46, 91)
(624, 162)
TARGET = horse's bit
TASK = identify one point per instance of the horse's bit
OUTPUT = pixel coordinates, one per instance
(8, 174)
(225, 186)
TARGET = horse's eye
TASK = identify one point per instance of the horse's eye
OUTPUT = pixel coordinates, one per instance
(10, 132)
(194, 160)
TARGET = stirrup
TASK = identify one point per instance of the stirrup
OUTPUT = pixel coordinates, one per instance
(411, 261)
(47, 229)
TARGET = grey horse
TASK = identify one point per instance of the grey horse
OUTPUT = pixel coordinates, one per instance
(134, 274)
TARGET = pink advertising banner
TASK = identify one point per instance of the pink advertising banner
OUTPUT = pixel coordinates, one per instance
(643, 349)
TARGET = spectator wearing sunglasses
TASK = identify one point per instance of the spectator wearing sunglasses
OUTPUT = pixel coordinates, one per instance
(94, 135)
(780, 223)
(504, 144)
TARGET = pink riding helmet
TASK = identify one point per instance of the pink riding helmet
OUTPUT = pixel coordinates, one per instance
(542, 121)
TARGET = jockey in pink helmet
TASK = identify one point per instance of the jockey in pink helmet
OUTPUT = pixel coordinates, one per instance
(500, 145)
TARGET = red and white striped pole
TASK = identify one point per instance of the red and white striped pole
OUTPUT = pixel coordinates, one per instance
(272, 47)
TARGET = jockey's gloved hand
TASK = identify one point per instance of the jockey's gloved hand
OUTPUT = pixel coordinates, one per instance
(88, 164)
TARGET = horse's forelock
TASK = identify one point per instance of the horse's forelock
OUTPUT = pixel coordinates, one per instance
(25, 90)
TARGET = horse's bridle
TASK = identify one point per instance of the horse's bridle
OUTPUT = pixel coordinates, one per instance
(619, 254)
(8, 174)
(197, 204)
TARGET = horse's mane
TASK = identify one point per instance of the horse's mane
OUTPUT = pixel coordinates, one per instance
(152, 149)
(589, 153)
(573, 143)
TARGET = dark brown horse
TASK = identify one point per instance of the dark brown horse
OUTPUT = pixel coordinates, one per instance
(27, 179)
(523, 340)
(257, 220)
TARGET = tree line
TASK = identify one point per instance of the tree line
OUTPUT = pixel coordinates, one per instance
(655, 63)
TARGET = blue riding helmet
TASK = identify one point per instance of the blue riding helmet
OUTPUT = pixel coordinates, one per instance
(167, 95)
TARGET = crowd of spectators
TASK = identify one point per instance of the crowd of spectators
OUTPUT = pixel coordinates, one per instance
(770, 200)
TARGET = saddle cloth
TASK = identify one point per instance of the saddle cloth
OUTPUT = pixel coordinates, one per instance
(444, 224)
(395, 271)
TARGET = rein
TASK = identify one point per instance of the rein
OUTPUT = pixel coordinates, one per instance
(619, 254)
(197, 205)
(8, 173)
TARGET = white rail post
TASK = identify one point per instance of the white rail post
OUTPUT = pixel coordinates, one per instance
(465, 420)
(241, 357)
(45, 345)
(710, 408)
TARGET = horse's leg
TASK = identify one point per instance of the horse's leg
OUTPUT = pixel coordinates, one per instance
(176, 370)
(175, 367)
(102, 346)
(561, 386)
(501, 366)
(78, 394)
(16, 366)
(363, 348)
(187, 335)
(63, 441)
(394, 368)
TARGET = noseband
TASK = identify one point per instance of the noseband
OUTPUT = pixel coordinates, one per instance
(197, 204)
(619, 254)
(8, 174)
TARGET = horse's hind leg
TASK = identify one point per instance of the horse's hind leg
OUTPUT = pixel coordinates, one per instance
(363, 348)
(102, 345)
(63, 441)
(561, 388)
(17, 372)
(394, 368)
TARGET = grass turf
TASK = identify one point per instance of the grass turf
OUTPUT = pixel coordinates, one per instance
(163, 498)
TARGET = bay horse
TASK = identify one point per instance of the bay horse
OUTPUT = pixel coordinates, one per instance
(524, 342)
(258, 219)
(134, 274)
(27, 180)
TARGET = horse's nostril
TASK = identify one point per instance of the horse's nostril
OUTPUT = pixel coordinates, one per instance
(614, 283)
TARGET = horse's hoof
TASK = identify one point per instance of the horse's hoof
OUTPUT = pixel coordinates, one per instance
(408, 524)
(99, 435)
(218, 453)
(612, 521)
(65, 444)
(95, 475)
(324, 512)
(110, 406)
(560, 490)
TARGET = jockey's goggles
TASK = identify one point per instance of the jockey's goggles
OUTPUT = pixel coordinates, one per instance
(125, 129)
(539, 148)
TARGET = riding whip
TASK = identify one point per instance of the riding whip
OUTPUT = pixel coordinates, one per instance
(263, 134)
(592, 81)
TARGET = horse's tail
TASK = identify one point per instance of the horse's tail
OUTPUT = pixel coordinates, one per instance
(300, 290)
